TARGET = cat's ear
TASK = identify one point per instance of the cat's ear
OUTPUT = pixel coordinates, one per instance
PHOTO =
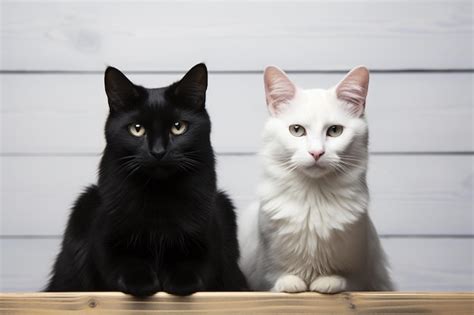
(121, 92)
(191, 89)
(279, 89)
(353, 89)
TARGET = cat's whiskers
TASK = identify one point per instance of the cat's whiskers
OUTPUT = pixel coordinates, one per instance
(344, 168)
(277, 157)
(351, 159)
(126, 165)
(126, 157)
(186, 164)
(351, 164)
(287, 166)
(189, 161)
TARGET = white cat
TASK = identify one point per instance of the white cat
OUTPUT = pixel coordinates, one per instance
(310, 229)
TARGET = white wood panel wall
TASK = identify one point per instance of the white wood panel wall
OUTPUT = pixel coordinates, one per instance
(411, 195)
(231, 35)
(405, 111)
(420, 110)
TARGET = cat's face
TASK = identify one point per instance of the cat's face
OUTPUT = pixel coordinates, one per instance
(316, 132)
(158, 131)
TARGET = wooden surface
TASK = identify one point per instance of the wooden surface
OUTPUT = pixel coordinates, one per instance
(238, 303)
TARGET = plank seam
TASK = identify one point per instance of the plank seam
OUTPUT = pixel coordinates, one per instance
(91, 154)
(384, 236)
(289, 71)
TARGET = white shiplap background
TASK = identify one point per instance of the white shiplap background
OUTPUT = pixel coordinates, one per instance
(420, 110)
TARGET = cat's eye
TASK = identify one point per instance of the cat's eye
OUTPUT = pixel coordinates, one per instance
(136, 130)
(297, 130)
(335, 131)
(179, 127)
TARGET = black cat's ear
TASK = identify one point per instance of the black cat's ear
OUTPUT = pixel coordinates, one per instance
(191, 89)
(121, 92)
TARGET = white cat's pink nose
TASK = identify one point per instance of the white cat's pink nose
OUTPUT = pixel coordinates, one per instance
(316, 154)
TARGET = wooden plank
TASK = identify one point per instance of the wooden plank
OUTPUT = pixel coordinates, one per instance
(239, 303)
(406, 112)
(431, 264)
(37, 193)
(412, 303)
(406, 191)
(234, 35)
(25, 264)
(422, 194)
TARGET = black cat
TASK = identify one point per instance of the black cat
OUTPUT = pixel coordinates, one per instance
(155, 221)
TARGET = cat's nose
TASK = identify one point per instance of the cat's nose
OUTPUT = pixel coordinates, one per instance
(316, 154)
(158, 152)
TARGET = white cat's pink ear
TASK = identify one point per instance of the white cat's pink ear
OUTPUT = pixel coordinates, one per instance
(353, 89)
(279, 89)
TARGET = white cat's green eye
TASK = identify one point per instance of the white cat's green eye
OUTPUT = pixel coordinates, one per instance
(335, 131)
(297, 130)
(136, 130)
(179, 127)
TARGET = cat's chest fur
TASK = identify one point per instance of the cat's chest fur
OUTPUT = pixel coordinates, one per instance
(146, 217)
(311, 230)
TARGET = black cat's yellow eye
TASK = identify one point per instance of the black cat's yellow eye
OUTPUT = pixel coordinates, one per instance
(335, 131)
(136, 130)
(297, 130)
(179, 127)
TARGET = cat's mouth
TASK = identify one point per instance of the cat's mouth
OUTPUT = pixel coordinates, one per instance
(315, 170)
(168, 166)
(159, 165)
(159, 169)
(316, 166)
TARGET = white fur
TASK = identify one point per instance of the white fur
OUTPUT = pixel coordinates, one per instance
(310, 229)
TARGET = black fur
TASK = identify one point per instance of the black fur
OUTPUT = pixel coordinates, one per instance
(155, 221)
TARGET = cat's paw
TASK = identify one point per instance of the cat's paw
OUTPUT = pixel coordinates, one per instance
(290, 284)
(329, 284)
(139, 281)
(183, 284)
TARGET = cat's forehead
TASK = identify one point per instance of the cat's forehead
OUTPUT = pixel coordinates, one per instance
(157, 103)
(156, 98)
(314, 97)
(157, 107)
(315, 105)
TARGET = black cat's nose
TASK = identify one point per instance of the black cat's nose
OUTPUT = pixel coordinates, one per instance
(158, 152)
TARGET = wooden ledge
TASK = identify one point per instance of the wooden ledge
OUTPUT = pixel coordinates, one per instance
(238, 303)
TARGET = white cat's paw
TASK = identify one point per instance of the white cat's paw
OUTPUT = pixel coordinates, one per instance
(329, 284)
(289, 283)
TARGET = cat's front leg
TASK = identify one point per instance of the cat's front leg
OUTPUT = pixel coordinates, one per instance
(136, 277)
(329, 284)
(289, 283)
(185, 277)
(183, 284)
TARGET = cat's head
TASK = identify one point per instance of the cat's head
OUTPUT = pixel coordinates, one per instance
(316, 132)
(159, 130)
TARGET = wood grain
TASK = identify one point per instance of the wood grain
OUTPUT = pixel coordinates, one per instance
(406, 112)
(239, 303)
(235, 35)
